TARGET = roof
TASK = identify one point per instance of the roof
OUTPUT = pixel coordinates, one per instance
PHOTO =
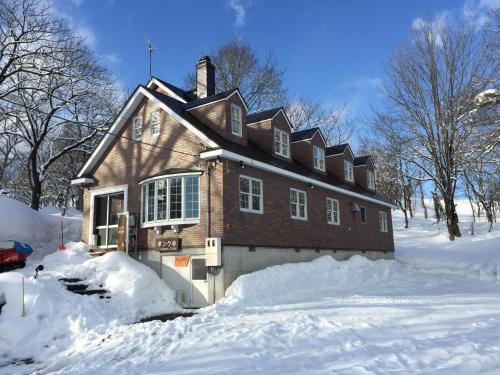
(187, 95)
(337, 149)
(361, 160)
(302, 135)
(214, 98)
(262, 115)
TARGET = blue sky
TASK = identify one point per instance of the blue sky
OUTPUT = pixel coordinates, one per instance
(331, 51)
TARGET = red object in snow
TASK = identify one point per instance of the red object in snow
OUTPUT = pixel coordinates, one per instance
(61, 246)
(10, 258)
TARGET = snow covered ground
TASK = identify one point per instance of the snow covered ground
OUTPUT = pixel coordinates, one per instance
(434, 310)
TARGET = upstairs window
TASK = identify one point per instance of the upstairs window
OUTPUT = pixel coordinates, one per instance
(382, 221)
(250, 194)
(298, 204)
(319, 158)
(154, 123)
(348, 172)
(236, 120)
(362, 212)
(170, 200)
(281, 143)
(371, 180)
(332, 211)
(137, 129)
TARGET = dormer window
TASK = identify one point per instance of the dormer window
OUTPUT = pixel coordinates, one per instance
(137, 130)
(348, 172)
(154, 123)
(319, 158)
(236, 120)
(371, 180)
(281, 143)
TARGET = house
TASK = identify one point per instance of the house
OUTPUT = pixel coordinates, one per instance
(202, 191)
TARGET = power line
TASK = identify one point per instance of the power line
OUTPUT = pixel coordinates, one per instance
(104, 131)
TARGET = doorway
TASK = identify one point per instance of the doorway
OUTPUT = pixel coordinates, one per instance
(106, 210)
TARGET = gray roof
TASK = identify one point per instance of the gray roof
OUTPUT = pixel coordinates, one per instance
(361, 160)
(337, 149)
(303, 134)
(262, 115)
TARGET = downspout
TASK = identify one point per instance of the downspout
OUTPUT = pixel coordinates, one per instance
(207, 196)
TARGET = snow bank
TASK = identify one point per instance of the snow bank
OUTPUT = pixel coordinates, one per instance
(56, 318)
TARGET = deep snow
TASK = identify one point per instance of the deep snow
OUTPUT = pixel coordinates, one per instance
(435, 310)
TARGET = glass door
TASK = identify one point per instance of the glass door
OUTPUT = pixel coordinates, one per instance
(107, 208)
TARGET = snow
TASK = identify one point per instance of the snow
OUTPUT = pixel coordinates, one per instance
(433, 310)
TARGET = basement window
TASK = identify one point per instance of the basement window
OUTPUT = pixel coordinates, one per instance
(168, 200)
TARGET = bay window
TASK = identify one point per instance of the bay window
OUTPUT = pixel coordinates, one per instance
(170, 200)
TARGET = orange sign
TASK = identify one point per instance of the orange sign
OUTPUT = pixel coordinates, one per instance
(182, 260)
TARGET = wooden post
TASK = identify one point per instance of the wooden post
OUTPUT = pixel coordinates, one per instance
(23, 298)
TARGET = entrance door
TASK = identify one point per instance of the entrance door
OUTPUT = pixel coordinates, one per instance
(188, 279)
(107, 208)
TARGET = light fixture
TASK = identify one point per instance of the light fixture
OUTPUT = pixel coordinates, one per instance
(242, 165)
(355, 208)
(311, 186)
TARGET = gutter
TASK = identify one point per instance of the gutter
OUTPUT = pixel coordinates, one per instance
(221, 153)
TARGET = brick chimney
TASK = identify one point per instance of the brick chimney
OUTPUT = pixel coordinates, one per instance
(205, 78)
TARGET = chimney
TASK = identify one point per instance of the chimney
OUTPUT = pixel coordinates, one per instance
(205, 78)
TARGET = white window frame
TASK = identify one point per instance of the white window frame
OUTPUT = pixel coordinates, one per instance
(332, 210)
(361, 208)
(281, 143)
(319, 158)
(236, 121)
(156, 125)
(297, 204)
(382, 221)
(370, 175)
(349, 171)
(250, 195)
(136, 125)
(167, 221)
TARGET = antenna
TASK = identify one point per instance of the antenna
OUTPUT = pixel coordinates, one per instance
(151, 49)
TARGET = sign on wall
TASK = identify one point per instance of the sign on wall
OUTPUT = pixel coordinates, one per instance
(182, 260)
(168, 244)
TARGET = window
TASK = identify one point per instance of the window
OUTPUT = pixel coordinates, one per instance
(250, 194)
(319, 158)
(198, 269)
(172, 199)
(107, 208)
(236, 122)
(348, 173)
(371, 180)
(154, 123)
(298, 204)
(137, 130)
(281, 143)
(382, 220)
(332, 211)
(362, 212)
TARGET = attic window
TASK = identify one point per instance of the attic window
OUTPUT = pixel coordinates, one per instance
(319, 158)
(371, 180)
(281, 143)
(348, 173)
(137, 130)
(154, 123)
(236, 120)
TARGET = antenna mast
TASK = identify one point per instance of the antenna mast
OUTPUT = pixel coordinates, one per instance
(151, 49)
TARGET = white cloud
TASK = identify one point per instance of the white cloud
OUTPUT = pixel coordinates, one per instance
(77, 3)
(476, 12)
(240, 11)
(112, 58)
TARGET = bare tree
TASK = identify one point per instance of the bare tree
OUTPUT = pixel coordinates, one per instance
(238, 66)
(335, 123)
(432, 82)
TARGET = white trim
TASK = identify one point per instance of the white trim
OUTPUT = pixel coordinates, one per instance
(280, 132)
(298, 217)
(161, 177)
(82, 181)
(370, 181)
(219, 100)
(320, 158)
(333, 222)
(171, 93)
(239, 121)
(283, 172)
(250, 195)
(122, 118)
(351, 179)
(104, 191)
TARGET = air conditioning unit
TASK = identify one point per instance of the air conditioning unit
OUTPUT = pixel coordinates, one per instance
(213, 251)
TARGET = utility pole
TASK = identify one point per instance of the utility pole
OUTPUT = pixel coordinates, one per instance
(151, 49)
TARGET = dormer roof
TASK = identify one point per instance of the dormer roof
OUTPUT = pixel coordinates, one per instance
(337, 149)
(362, 160)
(303, 135)
(215, 98)
(268, 114)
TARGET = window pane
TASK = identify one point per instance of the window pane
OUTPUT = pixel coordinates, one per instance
(151, 201)
(255, 203)
(255, 187)
(101, 236)
(101, 203)
(161, 204)
(244, 200)
(302, 198)
(192, 197)
(176, 198)
(115, 207)
(112, 236)
(293, 196)
(244, 185)
(144, 202)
